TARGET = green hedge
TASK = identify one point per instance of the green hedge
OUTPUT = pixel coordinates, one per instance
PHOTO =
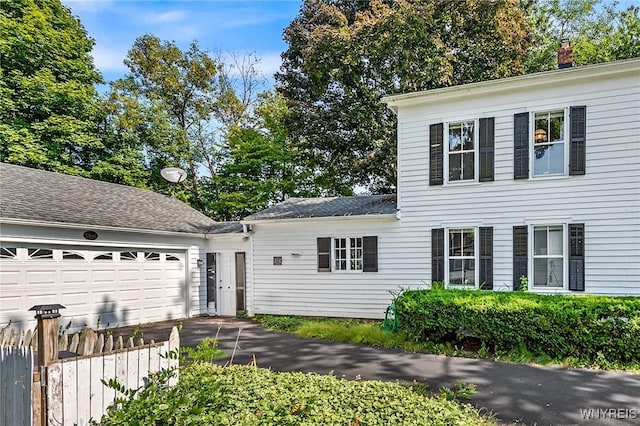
(592, 329)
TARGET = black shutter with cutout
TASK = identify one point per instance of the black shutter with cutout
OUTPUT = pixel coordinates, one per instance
(576, 256)
(370, 254)
(520, 254)
(487, 132)
(324, 254)
(578, 143)
(437, 254)
(486, 258)
(436, 173)
(521, 145)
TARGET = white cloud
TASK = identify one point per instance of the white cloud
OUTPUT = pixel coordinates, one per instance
(109, 60)
(269, 63)
(168, 17)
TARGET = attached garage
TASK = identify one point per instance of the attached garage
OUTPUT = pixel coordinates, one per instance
(102, 286)
(111, 254)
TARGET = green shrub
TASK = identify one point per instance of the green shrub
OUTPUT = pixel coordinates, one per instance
(280, 322)
(208, 394)
(595, 330)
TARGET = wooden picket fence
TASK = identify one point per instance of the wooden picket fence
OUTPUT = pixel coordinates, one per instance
(75, 392)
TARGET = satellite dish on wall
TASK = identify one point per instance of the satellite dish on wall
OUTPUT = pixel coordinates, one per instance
(173, 174)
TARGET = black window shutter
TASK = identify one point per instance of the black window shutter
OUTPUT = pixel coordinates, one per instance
(520, 254)
(486, 258)
(437, 254)
(521, 145)
(578, 143)
(487, 132)
(576, 256)
(324, 254)
(370, 254)
(435, 154)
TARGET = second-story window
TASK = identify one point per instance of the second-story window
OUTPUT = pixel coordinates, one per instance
(548, 143)
(462, 151)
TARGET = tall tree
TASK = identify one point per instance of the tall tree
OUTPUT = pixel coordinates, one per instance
(50, 113)
(180, 104)
(598, 31)
(48, 101)
(344, 55)
(261, 167)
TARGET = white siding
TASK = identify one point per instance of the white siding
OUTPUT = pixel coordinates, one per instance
(296, 287)
(606, 199)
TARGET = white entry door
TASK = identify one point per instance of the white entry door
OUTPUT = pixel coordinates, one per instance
(226, 284)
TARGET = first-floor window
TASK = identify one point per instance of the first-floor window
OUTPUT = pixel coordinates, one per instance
(462, 260)
(548, 256)
(347, 253)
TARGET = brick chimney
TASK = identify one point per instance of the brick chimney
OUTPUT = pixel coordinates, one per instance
(565, 54)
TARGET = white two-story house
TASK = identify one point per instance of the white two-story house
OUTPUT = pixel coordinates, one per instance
(527, 180)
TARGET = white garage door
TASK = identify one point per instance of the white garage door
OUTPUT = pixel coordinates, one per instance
(102, 287)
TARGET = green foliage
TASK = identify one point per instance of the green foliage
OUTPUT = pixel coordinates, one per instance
(599, 31)
(206, 351)
(462, 391)
(280, 323)
(246, 395)
(524, 283)
(343, 56)
(593, 330)
(340, 330)
(261, 167)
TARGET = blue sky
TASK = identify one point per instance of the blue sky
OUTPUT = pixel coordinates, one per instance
(238, 26)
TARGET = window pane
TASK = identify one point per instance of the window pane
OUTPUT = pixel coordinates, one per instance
(555, 271)
(455, 243)
(462, 272)
(555, 240)
(40, 253)
(469, 272)
(467, 135)
(468, 166)
(548, 159)
(556, 126)
(455, 137)
(541, 128)
(455, 271)
(540, 240)
(8, 252)
(455, 166)
(540, 275)
(467, 248)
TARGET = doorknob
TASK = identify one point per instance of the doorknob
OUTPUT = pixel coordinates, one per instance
(220, 287)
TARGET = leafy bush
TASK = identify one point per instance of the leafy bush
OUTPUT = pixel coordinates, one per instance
(596, 330)
(280, 323)
(208, 394)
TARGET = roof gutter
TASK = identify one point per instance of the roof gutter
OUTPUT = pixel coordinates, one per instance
(100, 227)
(367, 217)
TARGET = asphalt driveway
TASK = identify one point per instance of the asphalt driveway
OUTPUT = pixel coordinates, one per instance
(513, 392)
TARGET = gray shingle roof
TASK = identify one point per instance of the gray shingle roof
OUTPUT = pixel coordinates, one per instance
(329, 206)
(38, 195)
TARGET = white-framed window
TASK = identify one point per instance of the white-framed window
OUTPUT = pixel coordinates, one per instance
(461, 257)
(549, 256)
(347, 254)
(549, 143)
(461, 156)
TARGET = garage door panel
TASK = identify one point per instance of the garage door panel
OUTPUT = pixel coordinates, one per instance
(46, 277)
(107, 291)
(9, 279)
(102, 275)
